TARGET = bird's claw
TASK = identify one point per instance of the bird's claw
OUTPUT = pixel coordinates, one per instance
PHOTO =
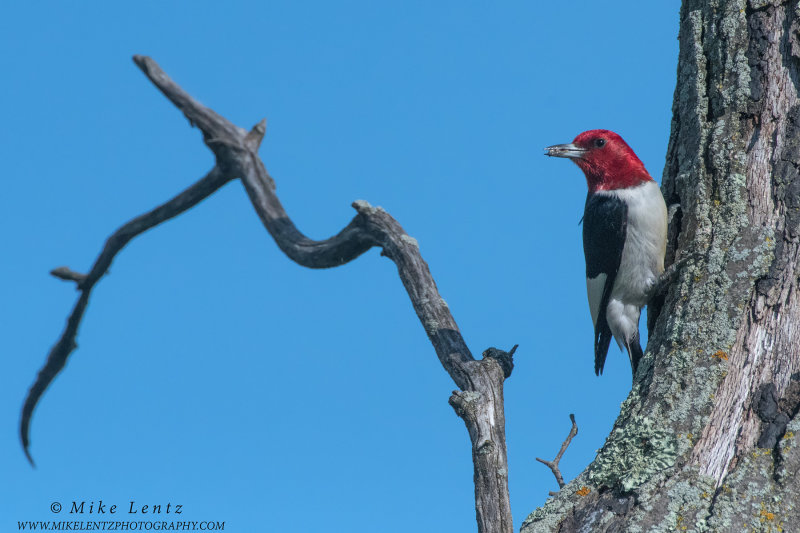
(668, 276)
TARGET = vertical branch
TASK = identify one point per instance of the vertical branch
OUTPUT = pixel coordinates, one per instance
(482, 411)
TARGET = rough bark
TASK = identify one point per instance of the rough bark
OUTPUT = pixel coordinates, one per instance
(479, 400)
(709, 437)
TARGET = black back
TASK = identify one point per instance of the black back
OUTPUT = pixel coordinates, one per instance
(604, 228)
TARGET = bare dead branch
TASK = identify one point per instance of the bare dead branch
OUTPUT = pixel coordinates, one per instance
(480, 399)
(372, 226)
(553, 465)
(211, 124)
(60, 352)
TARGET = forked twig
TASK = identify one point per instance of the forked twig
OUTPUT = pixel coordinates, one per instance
(553, 465)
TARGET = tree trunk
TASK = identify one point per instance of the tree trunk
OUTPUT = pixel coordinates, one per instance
(709, 437)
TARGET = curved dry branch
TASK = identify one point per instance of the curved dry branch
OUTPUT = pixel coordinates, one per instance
(479, 402)
(86, 282)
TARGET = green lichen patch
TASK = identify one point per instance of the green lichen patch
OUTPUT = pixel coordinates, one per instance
(633, 454)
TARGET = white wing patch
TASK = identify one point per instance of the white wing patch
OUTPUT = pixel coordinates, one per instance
(594, 291)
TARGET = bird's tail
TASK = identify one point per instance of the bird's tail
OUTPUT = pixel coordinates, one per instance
(602, 339)
(635, 353)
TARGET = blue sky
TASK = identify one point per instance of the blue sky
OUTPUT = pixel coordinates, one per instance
(213, 372)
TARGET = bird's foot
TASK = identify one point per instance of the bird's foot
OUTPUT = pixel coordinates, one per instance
(668, 276)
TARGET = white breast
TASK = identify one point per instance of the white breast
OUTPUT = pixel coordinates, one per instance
(645, 243)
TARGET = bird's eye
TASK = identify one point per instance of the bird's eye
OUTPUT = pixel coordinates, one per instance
(600, 143)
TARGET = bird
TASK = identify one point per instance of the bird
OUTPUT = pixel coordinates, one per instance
(624, 238)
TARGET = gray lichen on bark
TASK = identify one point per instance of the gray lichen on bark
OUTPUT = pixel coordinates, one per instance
(682, 454)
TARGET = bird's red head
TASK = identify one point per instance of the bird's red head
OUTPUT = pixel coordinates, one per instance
(606, 160)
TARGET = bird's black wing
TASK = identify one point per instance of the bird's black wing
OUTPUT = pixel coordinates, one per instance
(604, 228)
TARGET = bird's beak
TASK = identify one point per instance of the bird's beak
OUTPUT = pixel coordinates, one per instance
(570, 150)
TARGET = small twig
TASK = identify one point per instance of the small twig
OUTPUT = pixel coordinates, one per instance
(256, 135)
(68, 274)
(553, 465)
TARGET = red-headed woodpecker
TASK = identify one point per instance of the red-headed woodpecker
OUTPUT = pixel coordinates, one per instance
(624, 238)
